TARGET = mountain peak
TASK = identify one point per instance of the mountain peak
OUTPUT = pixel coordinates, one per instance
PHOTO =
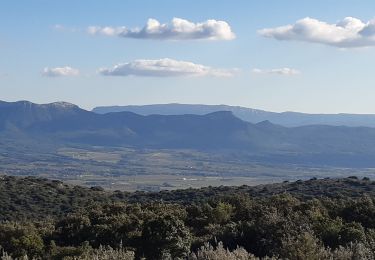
(25, 103)
(62, 104)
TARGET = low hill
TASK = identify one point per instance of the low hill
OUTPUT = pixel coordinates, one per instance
(38, 198)
(315, 219)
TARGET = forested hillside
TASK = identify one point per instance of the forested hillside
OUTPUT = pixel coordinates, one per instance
(315, 219)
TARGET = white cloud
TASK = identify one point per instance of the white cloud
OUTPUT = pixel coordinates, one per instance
(59, 27)
(348, 33)
(164, 68)
(178, 29)
(60, 72)
(63, 28)
(281, 71)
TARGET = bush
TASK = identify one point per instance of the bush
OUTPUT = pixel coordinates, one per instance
(165, 235)
(208, 252)
(104, 253)
(21, 239)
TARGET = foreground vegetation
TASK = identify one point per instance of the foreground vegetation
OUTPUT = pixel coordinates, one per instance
(315, 219)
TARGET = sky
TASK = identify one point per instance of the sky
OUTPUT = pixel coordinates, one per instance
(306, 56)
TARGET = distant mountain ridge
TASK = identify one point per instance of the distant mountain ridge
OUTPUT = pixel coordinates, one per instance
(66, 124)
(24, 113)
(69, 123)
(289, 119)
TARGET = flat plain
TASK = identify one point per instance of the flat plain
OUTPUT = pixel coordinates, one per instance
(130, 169)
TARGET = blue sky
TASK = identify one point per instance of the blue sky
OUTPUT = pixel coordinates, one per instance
(327, 73)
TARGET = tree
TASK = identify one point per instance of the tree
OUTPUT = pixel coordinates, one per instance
(21, 239)
(165, 235)
(304, 246)
(222, 213)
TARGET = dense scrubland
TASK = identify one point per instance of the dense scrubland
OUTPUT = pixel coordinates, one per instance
(315, 219)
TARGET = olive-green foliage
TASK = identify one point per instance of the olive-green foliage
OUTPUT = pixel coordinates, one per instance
(164, 226)
(165, 235)
(303, 246)
(149, 229)
(21, 239)
(104, 253)
(36, 198)
(208, 252)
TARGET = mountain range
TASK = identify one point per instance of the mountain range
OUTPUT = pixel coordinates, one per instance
(289, 119)
(63, 123)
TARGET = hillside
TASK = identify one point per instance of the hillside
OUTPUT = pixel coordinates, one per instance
(288, 119)
(315, 219)
(37, 198)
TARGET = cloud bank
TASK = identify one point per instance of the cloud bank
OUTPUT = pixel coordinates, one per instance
(281, 71)
(164, 68)
(348, 33)
(178, 29)
(60, 72)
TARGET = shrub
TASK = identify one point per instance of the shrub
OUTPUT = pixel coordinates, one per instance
(208, 252)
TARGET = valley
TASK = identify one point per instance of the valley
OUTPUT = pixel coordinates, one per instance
(129, 152)
(130, 169)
